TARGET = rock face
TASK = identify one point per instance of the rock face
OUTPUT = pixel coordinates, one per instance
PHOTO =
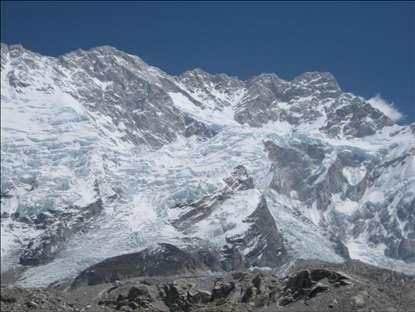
(358, 119)
(267, 97)
(59, 229)
(264, 242)
(243, 173)
(163, 260)
(308, 284)
(247, 233)
(337, 183)
(134, 94)
(209, 90)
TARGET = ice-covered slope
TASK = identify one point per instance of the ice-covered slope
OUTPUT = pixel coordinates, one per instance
(102, 128)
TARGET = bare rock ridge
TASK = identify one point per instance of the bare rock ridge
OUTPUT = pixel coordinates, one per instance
(163, 260)
(254, 238)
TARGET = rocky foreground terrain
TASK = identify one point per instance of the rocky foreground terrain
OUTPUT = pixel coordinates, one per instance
(306, 286)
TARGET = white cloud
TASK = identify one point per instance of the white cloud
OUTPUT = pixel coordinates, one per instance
(388, 108)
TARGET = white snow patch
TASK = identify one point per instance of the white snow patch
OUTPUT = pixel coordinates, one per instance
(313, 214)
(374, 254)
(354, 175)
(209, 116)
(376, 196)
(347, 207)
(228, 219)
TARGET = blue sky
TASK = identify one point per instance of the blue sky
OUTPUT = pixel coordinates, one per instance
(369, 47)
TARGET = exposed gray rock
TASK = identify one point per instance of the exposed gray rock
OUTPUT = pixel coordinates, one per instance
(59, 229)
(316, 174)
(222, 289)
(265, 243)
(163, 260)
(300, 168)
(308, 284)
(341, 249)
(358, 119)
(239, 179)
(206, 87)
(199, 296)
(195, 127)
(261, 244)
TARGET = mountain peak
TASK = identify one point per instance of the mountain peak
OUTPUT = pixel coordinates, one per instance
(109, 50)
(201, 73)
(267, 77)
(15, 50)
(100, 126)
(317, 79)
(16, 46)
(196, 71)
(103, 51)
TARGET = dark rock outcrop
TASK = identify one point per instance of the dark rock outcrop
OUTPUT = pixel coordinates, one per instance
(265, 243)
(163, 260)
(260, 244)
(59, 229)
(308, 283)
(239, 180)
(358, 119)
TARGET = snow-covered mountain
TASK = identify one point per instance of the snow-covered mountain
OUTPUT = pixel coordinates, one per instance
(102, 155)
